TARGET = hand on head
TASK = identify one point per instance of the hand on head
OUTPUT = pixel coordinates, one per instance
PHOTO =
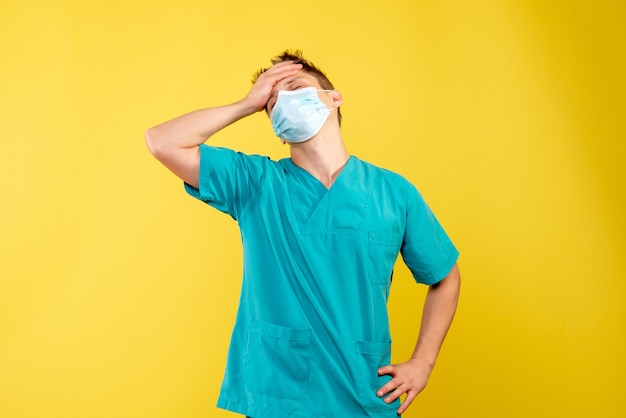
(261, 91)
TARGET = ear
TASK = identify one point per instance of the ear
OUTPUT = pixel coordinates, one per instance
(336, 97)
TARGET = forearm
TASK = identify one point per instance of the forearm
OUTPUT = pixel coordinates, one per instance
(439, 309)
(175, 143)
(193, 129)
(411, 376)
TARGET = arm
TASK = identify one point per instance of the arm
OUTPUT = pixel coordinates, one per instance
(176, 143)
(412, 376)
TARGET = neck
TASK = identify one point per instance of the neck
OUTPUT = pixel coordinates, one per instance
(323, 156)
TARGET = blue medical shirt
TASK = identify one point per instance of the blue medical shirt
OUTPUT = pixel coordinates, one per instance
(312, 325)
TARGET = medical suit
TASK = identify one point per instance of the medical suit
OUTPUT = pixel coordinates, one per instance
(312, 326)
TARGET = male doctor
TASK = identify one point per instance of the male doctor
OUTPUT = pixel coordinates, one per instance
(321, 232)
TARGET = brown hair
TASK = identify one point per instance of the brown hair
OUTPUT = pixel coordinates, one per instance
(307, 66)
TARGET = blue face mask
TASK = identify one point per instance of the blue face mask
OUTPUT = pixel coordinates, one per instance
(298, 115)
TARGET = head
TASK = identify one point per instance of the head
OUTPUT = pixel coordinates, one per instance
(310, 70)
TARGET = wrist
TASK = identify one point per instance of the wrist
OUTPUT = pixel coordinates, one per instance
(425, 361)
(248, 106)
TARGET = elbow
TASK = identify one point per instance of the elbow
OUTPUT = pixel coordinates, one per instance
(152, 141)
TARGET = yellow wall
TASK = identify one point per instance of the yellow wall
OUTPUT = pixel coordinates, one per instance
(118, 292)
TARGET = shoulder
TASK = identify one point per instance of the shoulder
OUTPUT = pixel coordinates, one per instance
(384, 175)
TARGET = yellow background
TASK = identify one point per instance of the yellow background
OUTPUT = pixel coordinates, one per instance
(118, 292)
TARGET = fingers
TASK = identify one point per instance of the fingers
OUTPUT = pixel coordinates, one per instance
(407, 402)
(385, 370)
(400, 384)
(400, 389)
(262, 89)
(395, 394)
(279, 71)
(391, 385)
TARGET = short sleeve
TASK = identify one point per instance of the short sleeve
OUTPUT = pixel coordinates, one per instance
(227, 179)
(426, 248)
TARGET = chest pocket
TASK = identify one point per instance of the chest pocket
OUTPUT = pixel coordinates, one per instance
(382, 252)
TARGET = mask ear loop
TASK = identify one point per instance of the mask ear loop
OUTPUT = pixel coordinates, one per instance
(329, 91)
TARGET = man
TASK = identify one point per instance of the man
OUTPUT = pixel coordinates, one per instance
(320, 232)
